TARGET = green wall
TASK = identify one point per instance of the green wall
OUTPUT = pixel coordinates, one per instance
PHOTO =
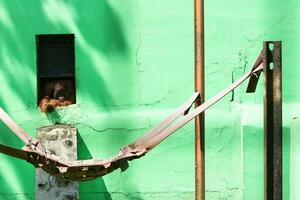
(134, 65)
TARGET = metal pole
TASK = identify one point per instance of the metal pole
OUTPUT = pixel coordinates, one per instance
(199, 87)
(273, 120)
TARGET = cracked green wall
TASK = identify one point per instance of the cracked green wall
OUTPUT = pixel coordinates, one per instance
(134, 65)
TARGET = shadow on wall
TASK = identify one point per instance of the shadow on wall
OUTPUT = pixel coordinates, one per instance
(253, 162)
(100, 41)
(102, 54)
(53, 117)
(14, 62)
(102, 62)
(96, 185)
(15, 174)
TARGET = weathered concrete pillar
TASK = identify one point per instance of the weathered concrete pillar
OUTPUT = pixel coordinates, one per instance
(61, 140)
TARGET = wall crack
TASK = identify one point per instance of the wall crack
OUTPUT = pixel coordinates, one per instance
(111, 129)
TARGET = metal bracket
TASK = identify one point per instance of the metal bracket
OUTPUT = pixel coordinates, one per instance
(273, 120)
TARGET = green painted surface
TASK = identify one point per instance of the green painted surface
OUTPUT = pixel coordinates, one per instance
(294, 155)
(134, 65)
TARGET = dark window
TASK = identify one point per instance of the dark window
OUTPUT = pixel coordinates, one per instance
(55, 60)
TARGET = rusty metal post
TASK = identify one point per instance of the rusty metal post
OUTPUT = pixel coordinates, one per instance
(199, 87)
(273, 120)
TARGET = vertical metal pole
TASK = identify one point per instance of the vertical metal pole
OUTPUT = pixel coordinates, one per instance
(273, 120)
(199, 86)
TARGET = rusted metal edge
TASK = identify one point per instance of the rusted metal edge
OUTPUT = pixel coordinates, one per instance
(17, 153)
(253, 80)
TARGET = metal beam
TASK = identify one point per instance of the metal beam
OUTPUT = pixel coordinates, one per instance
(273, 120)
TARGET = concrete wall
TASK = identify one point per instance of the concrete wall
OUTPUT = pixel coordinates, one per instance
(134, 65)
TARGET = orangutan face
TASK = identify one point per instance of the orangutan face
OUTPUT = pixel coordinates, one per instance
(60, 92)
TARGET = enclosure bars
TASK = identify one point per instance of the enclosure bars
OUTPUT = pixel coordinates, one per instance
(199, 87)
(273, 120)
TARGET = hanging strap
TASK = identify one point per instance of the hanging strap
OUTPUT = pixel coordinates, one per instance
(30, 142)
(160, 136)
(183, 109)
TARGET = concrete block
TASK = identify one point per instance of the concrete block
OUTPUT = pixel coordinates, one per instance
(60, 140)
